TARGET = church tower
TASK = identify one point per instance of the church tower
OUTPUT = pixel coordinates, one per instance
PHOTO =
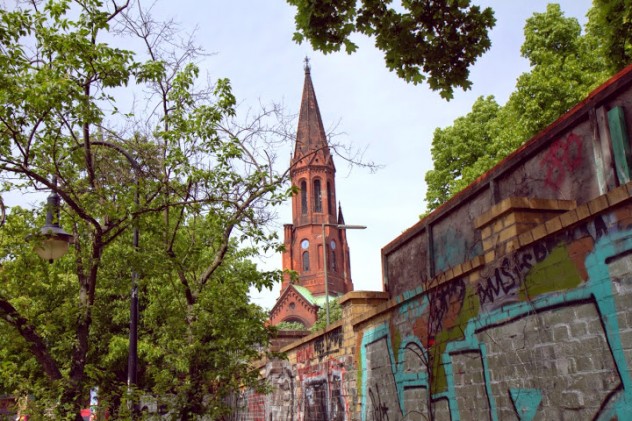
(313, 173)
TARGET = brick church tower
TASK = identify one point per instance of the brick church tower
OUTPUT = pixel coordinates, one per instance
(312, 170)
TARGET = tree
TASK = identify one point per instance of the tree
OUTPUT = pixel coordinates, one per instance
(565, 67)
(335, 314)
(468, 143)
(610, 21)
(196, 181)
(433, 40)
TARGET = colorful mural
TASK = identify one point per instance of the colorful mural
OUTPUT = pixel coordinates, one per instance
(510, 302)
(549, 304)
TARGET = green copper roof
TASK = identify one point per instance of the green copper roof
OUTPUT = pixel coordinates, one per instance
(319, 301)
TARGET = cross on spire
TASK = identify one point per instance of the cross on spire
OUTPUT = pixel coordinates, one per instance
(306, 67)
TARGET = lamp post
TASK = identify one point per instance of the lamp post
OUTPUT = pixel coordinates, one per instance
(339, 226)
(132, 359)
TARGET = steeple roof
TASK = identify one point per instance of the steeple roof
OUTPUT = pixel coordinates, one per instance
(341, 219)
(311, 139)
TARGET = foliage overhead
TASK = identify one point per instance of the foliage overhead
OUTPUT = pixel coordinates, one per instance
(433, 40)
(610, 21)
(565, 66)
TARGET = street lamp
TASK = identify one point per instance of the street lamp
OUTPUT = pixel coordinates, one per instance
(53, 241)
(339, 226)
(55, 244)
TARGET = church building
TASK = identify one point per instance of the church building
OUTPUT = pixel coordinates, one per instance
(314, 216)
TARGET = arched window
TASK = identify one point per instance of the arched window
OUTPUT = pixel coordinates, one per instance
(305, 261)
(333, 260)
(303, 197)
(318, 205)
(330, 200)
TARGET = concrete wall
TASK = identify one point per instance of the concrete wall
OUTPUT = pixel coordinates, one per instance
(510, 302)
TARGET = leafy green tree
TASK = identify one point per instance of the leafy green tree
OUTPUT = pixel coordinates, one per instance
(466, 144)
(565, 67)
(335, 314)
(436, 40)
(610, 21)
(196, 181)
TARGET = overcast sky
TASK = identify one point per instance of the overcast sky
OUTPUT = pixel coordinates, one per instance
(253, 43)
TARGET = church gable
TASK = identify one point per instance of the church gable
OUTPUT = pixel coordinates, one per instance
(293, 306)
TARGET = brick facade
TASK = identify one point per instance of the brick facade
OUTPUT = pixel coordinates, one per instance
(314, 210)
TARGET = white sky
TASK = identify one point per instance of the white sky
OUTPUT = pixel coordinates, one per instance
(252, 42)
(374, 108)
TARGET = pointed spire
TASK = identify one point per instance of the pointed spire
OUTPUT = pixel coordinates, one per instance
(306, 66)
(341, 219)
(311, 139)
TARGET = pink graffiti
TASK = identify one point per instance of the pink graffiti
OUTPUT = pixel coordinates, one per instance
(562, 157)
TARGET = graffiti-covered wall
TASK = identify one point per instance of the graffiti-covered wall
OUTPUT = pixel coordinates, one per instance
(513, 301)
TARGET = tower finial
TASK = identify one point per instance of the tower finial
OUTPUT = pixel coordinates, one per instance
(306, 66)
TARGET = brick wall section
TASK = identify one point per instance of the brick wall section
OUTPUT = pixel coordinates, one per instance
(525, 316)
(501, 225)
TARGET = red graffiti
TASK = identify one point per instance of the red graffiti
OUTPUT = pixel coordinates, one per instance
(562, 157)
(257, 407)
(305, 354)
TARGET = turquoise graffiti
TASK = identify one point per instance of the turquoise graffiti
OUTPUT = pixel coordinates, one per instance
(398, 366)
(454, 247)
(526, 402)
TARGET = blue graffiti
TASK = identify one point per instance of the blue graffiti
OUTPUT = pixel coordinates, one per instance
(597, 289)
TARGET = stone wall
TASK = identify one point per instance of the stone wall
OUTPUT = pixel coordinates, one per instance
(510, 302)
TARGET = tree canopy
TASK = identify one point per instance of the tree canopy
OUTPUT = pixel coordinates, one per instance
(565, 66)
(433, 41)
(180, 166)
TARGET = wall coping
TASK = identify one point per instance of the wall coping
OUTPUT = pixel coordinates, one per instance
(554, 225)
(312, 336)
(363, 295)
(578, 113)
(523, 203)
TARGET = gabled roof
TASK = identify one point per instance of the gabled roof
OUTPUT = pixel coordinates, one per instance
(302, 293)
(305, 294)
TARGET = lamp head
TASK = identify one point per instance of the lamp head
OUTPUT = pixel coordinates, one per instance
(53, 241)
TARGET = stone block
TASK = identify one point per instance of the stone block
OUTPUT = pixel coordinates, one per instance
(582, 211)
(618, 195)
(507, 233)
(597, 205)
(539, 232)
(553, 225)
(569, 218)
(561, 333)
(525, 238)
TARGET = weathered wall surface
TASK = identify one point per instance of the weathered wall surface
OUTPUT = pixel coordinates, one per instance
(511, 302)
